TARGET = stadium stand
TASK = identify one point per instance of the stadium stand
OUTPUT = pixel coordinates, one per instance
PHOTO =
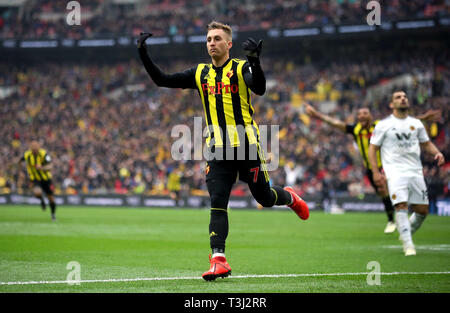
(108, 126)
(45, 19)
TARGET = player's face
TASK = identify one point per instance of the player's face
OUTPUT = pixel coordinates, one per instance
(399, 101)
(364, 117)
(218, 43)
(34, 147)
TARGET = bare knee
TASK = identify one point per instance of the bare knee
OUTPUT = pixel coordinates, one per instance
(401, 206)
(420, 208)
(37, 192)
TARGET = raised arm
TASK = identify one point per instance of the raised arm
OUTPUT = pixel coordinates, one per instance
(184, 79)
(430, 116)
(253, 73)
(430, 148)
(326, 118)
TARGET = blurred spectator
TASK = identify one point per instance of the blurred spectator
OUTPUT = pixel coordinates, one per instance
(47, 19)
(109, 127)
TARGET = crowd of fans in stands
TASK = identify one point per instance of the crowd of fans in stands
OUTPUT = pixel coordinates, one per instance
(47, 19)
(108, 127)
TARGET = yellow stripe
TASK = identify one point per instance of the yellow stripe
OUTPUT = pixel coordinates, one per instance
(27, 162)
(246, 105)
(230, 120)
(263, 162)
(213, 110)
(41, 156)
(218, 209)
(276, 195)
(198, 73)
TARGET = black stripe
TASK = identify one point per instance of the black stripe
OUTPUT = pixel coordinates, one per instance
(204, 72)
(221, 111)
(35, 169)
(363, 150)
(235, 97)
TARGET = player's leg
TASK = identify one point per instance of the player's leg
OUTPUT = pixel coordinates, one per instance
(383, 193)
(47, 187)
(418, 216)
(37, 192)
(219, 180)
(398, 190)
(257, 178)
(419, 203)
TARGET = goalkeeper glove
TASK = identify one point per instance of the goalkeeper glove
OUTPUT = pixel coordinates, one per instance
(252, 48)
(142, 38)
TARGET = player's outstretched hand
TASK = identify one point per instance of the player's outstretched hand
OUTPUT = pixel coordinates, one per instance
(439, 158)
(379, 179)
(252, 48)
(142, 38)
(310, 110)
(432, 115)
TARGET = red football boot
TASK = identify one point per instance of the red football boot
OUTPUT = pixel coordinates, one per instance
(299, 206)
(219, 268)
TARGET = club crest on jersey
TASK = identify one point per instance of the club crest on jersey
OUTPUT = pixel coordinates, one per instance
(230, 73)
(411, 127)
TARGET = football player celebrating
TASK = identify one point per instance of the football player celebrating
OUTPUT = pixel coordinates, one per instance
(225, 87)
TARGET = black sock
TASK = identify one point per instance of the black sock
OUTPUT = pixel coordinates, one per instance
(283, 197)
(218, 230)
(42, 201)
(388, 208)
(53, 207)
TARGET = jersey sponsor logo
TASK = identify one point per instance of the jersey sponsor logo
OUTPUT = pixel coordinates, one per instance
(402, 136)
(219, 88)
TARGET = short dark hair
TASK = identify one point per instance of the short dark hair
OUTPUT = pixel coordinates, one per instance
(392, 97)
(217, 25)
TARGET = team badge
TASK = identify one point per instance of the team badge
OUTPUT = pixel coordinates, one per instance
(394, 197)
(230, 73)
(411, 127)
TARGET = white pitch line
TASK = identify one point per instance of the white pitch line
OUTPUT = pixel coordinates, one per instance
(232, 277)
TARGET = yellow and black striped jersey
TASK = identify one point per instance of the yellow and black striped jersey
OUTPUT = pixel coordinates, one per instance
(31, 160)
(226, 103)
(362, 138)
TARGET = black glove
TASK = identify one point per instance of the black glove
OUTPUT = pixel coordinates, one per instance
(252, 48)
(141, 40)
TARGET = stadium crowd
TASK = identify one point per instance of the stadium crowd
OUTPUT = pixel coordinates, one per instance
(108, 127)
(47, 19)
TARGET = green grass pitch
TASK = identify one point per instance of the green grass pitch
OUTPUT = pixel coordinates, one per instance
(147, 246)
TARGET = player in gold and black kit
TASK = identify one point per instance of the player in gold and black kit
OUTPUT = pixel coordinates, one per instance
(225, 87)
(38, 165)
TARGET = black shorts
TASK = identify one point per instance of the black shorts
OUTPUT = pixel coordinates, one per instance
(250, 172)
(247, 167)
(46, 185)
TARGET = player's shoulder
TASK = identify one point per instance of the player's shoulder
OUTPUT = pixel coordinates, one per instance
(202, 65)
(414, 120)
(385, 122)
(237, 60)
